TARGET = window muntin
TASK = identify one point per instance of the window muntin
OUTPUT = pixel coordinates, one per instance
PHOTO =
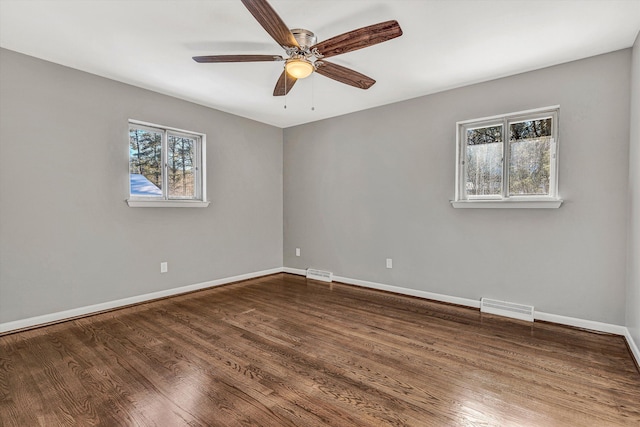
(531, 151)
(165, 164)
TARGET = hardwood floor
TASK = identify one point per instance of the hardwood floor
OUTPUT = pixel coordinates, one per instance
(283, 351)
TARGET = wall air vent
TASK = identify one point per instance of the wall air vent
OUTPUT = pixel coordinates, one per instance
(508, 309)
(325, 276)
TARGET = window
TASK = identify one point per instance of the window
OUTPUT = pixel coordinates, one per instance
(508, 161)
(166, 167)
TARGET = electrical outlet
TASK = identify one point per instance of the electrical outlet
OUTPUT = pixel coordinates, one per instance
(297, 251)
(164, 267)
(389, 263)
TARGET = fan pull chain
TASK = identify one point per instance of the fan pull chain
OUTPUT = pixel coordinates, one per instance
(313, 91)
(285, 90)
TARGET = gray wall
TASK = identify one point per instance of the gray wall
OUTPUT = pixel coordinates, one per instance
(633, 285)
(357, 189)
(67, 238)
(376, 184)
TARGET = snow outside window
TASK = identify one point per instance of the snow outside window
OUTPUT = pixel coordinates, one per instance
(166, 166)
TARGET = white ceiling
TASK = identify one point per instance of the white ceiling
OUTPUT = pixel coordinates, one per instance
(446, 44)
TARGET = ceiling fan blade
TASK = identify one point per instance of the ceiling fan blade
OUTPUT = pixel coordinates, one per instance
(284, 85)
(344, 75)
(358, 39)
(271, 22)
(237, 58)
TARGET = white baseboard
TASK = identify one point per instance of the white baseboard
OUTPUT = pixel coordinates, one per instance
(396, 289)
(554, 318)
(633, 346)
(95, 308)
(581, 323)
(408, 291)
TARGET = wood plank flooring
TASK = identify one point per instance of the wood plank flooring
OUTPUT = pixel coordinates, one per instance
(284, 351)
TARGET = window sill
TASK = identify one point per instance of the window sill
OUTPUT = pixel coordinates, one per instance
(507, 204)
(167, 203)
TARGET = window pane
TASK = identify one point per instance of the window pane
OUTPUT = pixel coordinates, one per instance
(484, 161)
(145, 160)
(181, 172)
(530, 160)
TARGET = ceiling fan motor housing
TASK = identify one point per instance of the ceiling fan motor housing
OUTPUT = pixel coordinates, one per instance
(305, 38)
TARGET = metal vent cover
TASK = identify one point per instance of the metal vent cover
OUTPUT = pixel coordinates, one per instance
(507, 309)
(325, 276)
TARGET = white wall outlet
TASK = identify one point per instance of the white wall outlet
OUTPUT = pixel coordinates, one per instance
(164, 267)
(389, 263)
(297, 251)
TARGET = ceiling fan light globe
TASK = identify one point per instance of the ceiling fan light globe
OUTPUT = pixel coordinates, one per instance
(299, 68)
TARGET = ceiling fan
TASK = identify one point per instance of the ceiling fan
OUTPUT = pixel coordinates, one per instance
(304, 54)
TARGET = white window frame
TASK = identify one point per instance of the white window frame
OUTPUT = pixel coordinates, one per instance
(504, 200)
(200, 198)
